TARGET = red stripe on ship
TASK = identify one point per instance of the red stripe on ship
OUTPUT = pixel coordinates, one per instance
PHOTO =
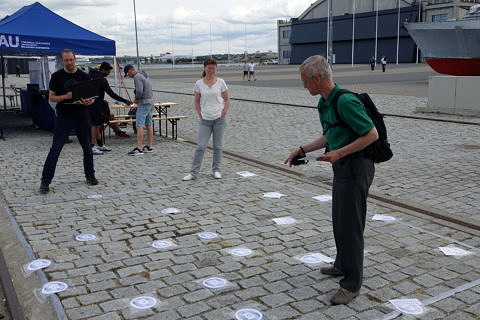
(455, 66)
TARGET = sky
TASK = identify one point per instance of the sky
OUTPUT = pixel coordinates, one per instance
(178, 27)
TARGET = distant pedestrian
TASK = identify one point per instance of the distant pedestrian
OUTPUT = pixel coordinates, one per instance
(144, 101)
(212, 102)
(245, 70)
(372, 62)
(17, 70)
(251, 71)
(384, 63)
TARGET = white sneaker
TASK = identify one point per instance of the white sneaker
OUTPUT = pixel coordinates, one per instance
(217, 175)
(189, 177)
(104, 148)
(95, 151)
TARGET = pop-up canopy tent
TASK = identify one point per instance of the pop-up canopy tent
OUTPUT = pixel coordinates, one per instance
(37, 31)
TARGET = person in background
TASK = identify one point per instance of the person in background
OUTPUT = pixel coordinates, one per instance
(371, 61)
(352, 172)
(384, 63)
(144, 101)
(212, 102)
(251, 71)
(245, 70)
(17, 70)
(70, 116)
(97, 110)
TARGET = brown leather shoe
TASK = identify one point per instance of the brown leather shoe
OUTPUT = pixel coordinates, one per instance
(331, 271)
(343, 296)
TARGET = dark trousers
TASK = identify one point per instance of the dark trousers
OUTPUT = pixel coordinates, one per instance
(383, 67)
(62, 129)
(351, 181)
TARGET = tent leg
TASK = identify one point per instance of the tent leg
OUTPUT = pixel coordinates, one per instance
(2, 61)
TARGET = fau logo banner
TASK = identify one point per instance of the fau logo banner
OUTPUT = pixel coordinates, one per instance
(8, 41)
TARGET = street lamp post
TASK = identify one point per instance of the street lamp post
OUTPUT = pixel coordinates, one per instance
(376, 33)
(419, 20)
(136, 34)
(329, 32)
(398, 28)
(353, 33)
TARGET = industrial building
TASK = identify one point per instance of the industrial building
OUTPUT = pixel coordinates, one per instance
(361, 29)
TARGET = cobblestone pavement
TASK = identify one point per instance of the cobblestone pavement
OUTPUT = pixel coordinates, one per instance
(435, 163)
(402, 257)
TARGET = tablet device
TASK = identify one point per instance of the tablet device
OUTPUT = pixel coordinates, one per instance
(84, 90)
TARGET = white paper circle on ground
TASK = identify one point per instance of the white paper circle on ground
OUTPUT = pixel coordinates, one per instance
(246, 174)
(408, 306)
(453, 251)
(383, 217)
(38, 264)
(273, 195)
(161, 244)
(170, 210)
(94, 196)
(284, 220)
(323, 198)
(208, 235)
(248, 314)
(316, 258)
(54, 287)
(85, 237)
(214, 283)
(241, 252)
(144, 302)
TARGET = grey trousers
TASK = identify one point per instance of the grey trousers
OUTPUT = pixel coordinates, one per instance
(206, 129)
(351, 182)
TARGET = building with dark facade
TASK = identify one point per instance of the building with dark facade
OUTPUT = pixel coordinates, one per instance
(361, 29)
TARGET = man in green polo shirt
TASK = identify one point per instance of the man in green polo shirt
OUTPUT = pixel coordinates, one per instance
(352, 172)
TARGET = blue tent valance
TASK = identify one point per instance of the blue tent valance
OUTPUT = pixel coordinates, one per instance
(35, 29)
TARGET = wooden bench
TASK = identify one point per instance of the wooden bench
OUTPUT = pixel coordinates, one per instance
(172, 119)
(132, 115)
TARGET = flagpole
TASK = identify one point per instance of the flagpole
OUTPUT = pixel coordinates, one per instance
(376, 34)
(353, 32)
(136, 34)
(398, 28)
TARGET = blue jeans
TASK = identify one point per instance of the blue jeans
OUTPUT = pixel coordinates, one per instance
(62, 129)
(207, 128)
(144, 114)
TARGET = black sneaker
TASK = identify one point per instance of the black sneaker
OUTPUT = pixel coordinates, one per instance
(91, 180)
(44, 188)
(147, 149)
(135, 152)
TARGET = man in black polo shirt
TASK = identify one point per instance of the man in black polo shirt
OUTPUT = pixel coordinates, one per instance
(69, 116)
(352, 172)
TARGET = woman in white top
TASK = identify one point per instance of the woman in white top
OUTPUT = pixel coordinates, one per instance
(211, 103)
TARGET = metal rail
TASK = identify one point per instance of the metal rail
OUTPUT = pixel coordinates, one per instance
(13, 304)
(311, 107)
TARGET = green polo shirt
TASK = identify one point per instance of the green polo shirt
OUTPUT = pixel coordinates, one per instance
(351, 111)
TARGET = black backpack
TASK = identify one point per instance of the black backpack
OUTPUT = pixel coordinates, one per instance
(378, 151)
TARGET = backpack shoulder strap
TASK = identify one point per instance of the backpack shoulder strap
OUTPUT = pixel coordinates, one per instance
(335, 107)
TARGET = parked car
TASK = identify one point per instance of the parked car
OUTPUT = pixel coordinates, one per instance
(272, 61)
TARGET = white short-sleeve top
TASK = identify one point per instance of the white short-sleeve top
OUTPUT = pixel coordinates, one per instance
(211, 100)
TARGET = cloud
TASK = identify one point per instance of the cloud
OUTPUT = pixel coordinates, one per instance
(184, 15)
(265, 12)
